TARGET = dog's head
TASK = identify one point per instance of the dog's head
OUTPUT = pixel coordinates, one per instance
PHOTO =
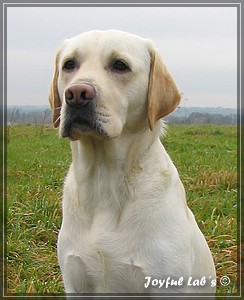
(107, 83)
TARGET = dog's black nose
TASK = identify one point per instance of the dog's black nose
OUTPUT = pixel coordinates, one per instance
(78, 95)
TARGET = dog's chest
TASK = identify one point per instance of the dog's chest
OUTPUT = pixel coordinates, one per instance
(105, 232)
(106, 258)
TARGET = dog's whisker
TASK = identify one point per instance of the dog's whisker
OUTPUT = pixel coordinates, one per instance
(58, 108)
(56, 121)
(103, 114)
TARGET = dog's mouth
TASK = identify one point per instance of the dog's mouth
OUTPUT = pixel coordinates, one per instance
(77, 123)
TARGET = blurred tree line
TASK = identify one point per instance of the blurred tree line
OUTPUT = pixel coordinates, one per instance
(199, 116)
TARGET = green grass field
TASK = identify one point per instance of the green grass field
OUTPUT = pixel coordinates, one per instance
(37, 162)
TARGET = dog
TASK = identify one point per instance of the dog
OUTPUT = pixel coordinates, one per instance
(126, 226)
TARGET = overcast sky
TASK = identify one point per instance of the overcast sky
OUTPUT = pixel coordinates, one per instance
(198, 45)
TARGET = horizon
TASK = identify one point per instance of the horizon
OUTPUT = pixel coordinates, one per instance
(180, 106)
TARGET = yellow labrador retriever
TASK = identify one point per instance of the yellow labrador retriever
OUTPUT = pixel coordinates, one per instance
(126, 225)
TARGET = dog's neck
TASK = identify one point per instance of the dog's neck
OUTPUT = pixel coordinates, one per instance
(122, 152)
(103, 167)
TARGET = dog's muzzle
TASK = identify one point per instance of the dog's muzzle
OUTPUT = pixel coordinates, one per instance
(80, 116)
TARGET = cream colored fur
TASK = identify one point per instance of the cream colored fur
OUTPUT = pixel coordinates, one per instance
(125, 216)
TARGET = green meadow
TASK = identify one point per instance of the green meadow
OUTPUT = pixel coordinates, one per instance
(37, 162)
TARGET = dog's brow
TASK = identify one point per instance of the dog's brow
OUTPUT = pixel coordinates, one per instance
(74, 54)
(119, 55)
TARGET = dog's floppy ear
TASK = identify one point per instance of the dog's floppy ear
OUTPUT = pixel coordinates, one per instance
(163, 94)
(54, 99)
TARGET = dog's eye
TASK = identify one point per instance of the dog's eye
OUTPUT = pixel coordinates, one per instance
(120, 66)
(69, 65)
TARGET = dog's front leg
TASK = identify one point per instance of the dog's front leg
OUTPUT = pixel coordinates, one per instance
(75, 277)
